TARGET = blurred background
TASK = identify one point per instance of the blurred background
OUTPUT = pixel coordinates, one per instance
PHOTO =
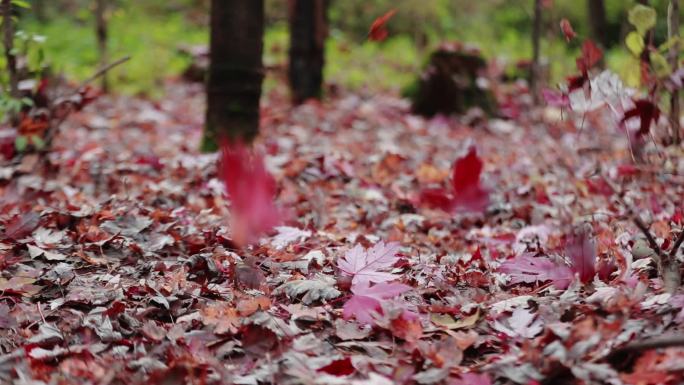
(160, 35)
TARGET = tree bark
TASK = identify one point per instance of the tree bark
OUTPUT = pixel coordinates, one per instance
(101, 34)
(308, 30)
(598, 23)
(673, 33)
(536, 51)
(10, 58)
(235, 72)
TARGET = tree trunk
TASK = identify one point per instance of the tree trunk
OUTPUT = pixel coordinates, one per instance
(536, 50)
(39, 10)
(101, 34)
(308, 30)
(598, 23)
(10, 57)
(673, 33)
(235, 72)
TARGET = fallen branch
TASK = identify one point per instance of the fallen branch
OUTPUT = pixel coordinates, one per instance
(652, 343)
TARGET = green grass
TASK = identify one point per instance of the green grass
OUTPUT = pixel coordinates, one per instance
(151, 42)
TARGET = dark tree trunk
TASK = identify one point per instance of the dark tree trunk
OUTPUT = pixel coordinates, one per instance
(101, 34)
(235, 72)
(598, 23)
(536, 51)
(39, 9)
(10, 58)
(308, 30)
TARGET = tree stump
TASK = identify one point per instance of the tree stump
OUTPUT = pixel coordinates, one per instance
(453, 81)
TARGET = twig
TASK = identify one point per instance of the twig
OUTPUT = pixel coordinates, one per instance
(104, 70)
(652, 343)
(677, 244)
(647, 233)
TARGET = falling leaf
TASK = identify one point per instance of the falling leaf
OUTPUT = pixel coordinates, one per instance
(647, 113)
(378, 30)
(251, 190)
(582, 253)
(567, 30)
(364, 265)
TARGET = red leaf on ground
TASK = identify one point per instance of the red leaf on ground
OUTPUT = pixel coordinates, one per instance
(341, 367)
(467, 194)
(472, 379)
(251, 190)
(378, 30)
(22, 225)
(364, 265)
(366, 300)
(567, 30)
(529, 269)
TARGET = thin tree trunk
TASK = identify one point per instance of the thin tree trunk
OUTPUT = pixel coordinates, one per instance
(308, 30)
(673, 33)
(101, 34)
(235, 72)
(536, 52)
(39, 9)
(598, 22)
(10, 58)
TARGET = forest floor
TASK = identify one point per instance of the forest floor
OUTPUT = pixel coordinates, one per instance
(118, 267)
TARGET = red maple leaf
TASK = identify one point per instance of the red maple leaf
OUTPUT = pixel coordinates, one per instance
(567, 30)
(467, 194)
(646, 111)
(378, 30)
(251, 190)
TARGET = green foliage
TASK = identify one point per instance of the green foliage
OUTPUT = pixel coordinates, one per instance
(152, 41)
(643, 18)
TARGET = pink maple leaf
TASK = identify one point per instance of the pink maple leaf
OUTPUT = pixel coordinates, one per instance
(529, 269)
(466, 193)
(582, 253)
(364, 265)
(251, 190)
(366, 300)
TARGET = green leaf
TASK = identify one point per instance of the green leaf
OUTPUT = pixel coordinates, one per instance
(668, 44)
(660, 65)
(635, 43)
(643, 18)
(20, 143)
(633, 73)
(21, 4)
(38, 142)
